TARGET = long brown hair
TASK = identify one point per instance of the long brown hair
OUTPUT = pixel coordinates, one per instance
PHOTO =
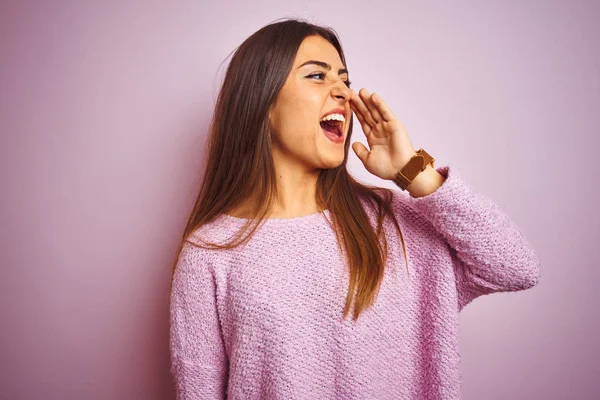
(240, 134)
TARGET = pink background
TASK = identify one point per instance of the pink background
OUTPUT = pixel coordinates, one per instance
(103, 115)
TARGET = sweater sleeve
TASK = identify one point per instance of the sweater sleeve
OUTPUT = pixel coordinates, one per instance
(489, 252)
(198, 358)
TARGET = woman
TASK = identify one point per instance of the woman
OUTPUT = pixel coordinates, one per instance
(265, 316)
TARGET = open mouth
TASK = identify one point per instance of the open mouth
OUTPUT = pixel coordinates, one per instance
(332, 126)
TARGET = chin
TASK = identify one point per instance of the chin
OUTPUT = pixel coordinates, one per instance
(333, 162)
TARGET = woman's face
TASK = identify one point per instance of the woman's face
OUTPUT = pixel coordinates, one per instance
(309, 92)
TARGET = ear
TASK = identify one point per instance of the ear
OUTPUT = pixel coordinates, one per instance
(270, 114)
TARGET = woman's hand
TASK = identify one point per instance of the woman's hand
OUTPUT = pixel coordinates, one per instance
(390, 146)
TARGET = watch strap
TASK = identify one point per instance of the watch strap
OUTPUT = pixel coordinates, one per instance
(414, 167)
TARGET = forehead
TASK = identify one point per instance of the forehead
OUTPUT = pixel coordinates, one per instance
(317, 48)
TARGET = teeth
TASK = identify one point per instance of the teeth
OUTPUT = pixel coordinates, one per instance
(337, 117)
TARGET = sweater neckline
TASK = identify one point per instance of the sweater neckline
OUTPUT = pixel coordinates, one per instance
(280, 221)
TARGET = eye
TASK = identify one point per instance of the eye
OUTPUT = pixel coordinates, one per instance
(321, 74)
(316, 74)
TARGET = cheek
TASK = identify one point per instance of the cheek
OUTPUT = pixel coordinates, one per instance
(299, 118)
(307, 110)
(297, 115)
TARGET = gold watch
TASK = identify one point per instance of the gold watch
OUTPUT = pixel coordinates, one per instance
(414, 167)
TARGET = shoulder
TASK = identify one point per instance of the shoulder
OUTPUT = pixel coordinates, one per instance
(398, 200)
(219, 230)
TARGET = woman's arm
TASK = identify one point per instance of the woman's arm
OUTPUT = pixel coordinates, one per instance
(491, 254)
(198, 359)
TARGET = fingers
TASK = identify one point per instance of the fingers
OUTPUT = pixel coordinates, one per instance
(358, 104)
(385, 112)
(366, 127)
(372, 107)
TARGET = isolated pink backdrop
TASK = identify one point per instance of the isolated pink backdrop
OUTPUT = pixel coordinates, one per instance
(103, 115)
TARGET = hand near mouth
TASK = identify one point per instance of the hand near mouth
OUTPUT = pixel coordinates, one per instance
(390, 146)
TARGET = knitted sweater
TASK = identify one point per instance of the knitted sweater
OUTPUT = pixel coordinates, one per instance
(264, 321)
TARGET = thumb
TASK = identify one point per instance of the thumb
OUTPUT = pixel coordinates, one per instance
(361, 151)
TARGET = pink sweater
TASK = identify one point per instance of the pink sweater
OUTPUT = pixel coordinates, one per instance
(265, 321)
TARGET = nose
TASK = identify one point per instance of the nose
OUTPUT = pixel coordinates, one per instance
(341, 91)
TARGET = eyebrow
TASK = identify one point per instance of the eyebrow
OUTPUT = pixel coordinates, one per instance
(324, 65)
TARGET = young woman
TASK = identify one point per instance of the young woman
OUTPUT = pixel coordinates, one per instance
(267, 316)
